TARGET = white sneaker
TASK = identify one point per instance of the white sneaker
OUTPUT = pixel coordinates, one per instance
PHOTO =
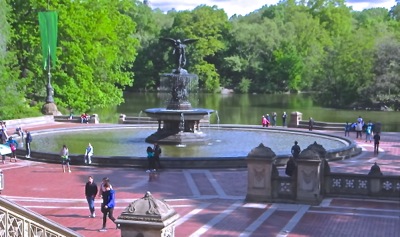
(148, 171)
(27, 156)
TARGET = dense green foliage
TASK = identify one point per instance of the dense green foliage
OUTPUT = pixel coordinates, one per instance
(347, 58)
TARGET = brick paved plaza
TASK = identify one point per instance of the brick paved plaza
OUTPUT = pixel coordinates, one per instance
(210, 202)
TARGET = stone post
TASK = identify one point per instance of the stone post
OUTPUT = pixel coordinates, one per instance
(375, 175)
(310, 175)
(121, 118)
(94, 118)
(147, 217)
(261, 169)
(295, 118)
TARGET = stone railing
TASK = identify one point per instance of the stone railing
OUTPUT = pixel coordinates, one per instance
(310, 179)
(94, 118)
(16, 220)
(362, 185)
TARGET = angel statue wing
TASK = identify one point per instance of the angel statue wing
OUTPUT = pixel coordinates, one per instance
(179, 50)
(170, 40)
(189, 41)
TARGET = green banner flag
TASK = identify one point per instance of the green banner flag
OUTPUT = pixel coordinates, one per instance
(48, 35)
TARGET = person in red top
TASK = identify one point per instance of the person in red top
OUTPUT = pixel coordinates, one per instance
(84, 118)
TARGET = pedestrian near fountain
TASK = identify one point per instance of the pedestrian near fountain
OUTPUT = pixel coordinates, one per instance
(368, 132)
(273, 121)
(310, 124)
(150, 159)
(88, 154)
(284, 119)
(90, 193)
(347, 128)
(102, 188)
(296, 150)
(107, 207)
(359, 127)
(264, 121)
(13, 146)
(28, 140)
(377, 139)
(65, 158)
(157, 153)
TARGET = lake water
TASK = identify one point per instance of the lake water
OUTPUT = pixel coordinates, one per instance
(248, 108)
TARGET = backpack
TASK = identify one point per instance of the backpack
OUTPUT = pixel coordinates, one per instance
(369, 129)
(12, 146)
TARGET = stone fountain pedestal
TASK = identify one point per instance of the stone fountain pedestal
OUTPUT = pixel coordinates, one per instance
(147, 217)
(178, 123)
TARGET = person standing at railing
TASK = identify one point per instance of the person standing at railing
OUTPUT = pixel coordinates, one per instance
(88, 154)
(65, 158)
(28, 140)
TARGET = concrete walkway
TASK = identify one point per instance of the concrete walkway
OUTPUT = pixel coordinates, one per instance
(209, 201)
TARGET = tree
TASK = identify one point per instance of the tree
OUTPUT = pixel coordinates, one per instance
(95, 44)
(209, 25)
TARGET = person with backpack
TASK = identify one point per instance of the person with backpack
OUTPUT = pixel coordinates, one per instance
(13, 146)
(150, 160)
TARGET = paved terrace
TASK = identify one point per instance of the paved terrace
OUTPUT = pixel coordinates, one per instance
(210, 201)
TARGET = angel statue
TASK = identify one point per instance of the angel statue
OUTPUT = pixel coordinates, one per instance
(179, 50)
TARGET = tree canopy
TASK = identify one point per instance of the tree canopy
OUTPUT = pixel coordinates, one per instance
(344, 57)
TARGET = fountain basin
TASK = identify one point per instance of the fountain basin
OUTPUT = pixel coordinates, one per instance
(124, 146)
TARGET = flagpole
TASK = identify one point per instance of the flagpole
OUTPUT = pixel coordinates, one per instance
(49, 88)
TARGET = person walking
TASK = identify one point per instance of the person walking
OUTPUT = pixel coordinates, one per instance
(107, 207)
(90, 193)
(150, 160)
(157, 153)
(28, 140)
(65, 158)
(102, 188)
(88, 154)
(377, 138)
(368, 132)
(284, 119)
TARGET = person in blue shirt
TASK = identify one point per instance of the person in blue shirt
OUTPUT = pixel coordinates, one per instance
(368, 132)
(107, 207)
(13, 146)
(347, 129)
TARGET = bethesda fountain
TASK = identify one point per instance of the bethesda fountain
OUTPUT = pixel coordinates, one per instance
(178, 123)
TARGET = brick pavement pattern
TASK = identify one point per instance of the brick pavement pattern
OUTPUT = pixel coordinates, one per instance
(210, 201)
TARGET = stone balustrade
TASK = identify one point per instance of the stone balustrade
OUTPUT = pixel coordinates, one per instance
(16, 220)
(312, 179)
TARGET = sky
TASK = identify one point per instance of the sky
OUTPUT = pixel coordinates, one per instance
(243, 7)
